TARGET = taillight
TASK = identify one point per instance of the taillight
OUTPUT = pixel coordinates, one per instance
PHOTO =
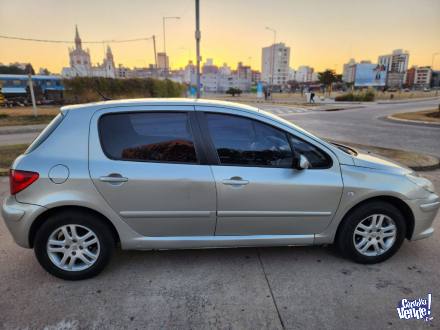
(20, 180)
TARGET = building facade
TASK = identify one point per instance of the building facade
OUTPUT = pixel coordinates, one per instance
(396, 65)
(410, 75)
(81, 65)
(305, 74)
(275, 63)
(348, 71)
(422, 77)
(163, 61)
(216, 79)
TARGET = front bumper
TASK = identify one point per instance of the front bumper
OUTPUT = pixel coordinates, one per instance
(18, 218)
(425, 211)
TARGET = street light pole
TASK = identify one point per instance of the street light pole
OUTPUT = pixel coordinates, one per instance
(198, 36)
(155, 54)
(273, 54)
(164, 40)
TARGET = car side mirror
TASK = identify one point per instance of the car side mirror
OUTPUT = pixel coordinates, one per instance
(302, 163)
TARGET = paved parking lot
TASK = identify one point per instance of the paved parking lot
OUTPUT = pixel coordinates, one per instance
(298, 287)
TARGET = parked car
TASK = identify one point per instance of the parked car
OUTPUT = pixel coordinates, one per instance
(175, 174)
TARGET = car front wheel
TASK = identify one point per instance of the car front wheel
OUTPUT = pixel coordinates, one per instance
(372, 233)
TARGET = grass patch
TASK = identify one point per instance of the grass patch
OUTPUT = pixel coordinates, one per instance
(432, 116)
(25, 115)
(8, 154)
(367, 96)
(411, 159)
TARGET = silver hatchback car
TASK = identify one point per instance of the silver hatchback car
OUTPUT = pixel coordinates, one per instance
(170, 174)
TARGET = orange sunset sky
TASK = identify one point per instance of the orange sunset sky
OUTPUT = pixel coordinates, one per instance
(321, 33)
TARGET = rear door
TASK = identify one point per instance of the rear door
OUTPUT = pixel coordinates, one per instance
(148, 165)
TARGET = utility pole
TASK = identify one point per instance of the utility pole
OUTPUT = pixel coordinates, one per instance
(198, 36)
(31, 88)
(155, 54)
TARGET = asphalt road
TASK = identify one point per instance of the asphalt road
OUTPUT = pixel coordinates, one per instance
(366, 125)
(275, 288)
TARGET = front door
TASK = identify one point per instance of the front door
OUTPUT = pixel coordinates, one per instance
(147, 167)
(258, 190)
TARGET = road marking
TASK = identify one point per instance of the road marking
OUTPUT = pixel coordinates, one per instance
(277, 110)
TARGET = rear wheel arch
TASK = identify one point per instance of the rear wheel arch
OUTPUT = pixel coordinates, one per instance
(62, 209)
(394, 201)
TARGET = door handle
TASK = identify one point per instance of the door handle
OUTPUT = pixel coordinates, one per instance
(235, 181)
(113, 178)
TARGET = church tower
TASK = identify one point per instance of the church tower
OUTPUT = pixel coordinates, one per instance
(109, 64)
(78, 44)
(79, 58)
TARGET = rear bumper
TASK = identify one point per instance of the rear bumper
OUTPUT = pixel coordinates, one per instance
(18, 218)
(424, 211)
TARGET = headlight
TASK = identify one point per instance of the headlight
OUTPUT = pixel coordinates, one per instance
(421, 182)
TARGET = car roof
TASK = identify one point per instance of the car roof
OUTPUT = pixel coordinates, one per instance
(160, 101)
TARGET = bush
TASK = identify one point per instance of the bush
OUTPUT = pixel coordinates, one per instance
(367, 96)
(234, 91)
(87, 89)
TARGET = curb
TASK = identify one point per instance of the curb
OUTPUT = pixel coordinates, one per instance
(341, 109)
(411, 122)
(409, 100)
(426, 168)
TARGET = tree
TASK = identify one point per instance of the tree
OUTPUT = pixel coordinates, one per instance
(327, 78)
(11, 69)
(44, 72)
(29, 69)
(234, 91)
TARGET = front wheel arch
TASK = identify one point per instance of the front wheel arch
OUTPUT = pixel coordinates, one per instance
(396, 202)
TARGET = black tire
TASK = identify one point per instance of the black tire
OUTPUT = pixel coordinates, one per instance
(344, 238)
(102, 231)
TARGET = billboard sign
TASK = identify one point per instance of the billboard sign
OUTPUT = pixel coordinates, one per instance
(370, 75)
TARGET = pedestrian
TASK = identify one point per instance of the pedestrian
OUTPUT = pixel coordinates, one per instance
(312, 97)
(265, 94)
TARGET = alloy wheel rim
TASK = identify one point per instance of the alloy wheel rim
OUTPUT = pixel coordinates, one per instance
(375, 235)
(73, 247)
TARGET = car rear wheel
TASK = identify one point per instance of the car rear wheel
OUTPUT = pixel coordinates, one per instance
(74, 245)
(371, 233)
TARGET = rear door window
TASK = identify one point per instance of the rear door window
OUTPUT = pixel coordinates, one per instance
(148, 137)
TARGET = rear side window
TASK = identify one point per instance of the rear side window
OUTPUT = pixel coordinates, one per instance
(45, 133)
(142, 136)
(243, 141)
